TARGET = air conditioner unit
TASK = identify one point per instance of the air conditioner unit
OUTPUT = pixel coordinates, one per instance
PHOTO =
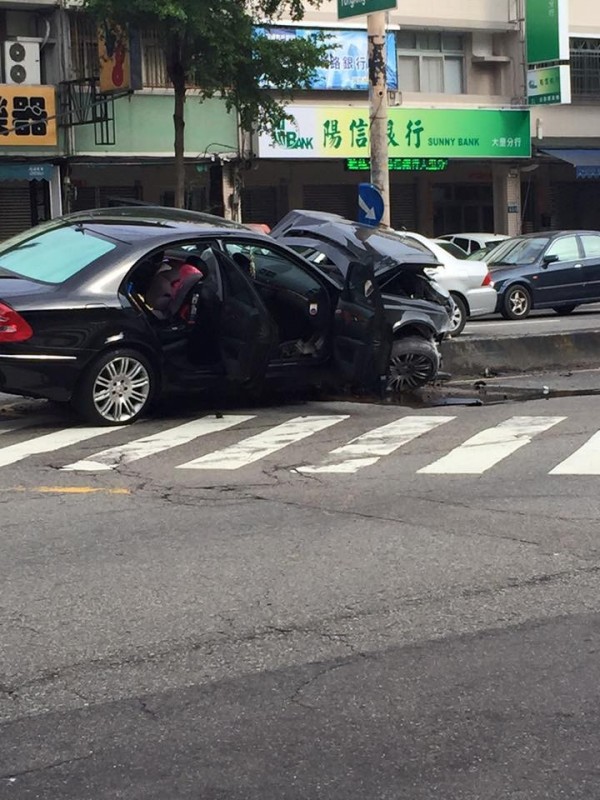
(22, 63)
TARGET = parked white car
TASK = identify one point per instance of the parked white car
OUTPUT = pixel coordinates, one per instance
(471, 242)
(469, 282)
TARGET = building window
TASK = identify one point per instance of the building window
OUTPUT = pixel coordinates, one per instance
(85, 62)
(585, 69)
(84, 53)
(431, 62)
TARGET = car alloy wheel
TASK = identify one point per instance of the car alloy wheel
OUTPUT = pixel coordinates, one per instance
(117, 389)
(517, 303)
(458, 319)
(414, 362)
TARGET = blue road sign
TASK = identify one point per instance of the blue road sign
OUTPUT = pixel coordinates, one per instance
(370, 204)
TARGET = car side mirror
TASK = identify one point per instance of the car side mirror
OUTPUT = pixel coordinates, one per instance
(549, 259)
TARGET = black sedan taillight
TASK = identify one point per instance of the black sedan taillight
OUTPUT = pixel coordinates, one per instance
(13, 328)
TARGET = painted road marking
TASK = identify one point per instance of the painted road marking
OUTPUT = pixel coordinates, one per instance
(264, 444)
(585, 461)
(48, 443)
(157, 443)
(366, 450)
(488, 448)
(68, 490)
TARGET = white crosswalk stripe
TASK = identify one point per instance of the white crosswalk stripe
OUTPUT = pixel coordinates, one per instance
(366, 450)
(48, 443)
(157, 443)
(264, 444)
(475, 456)
(584, 461)
(488, 448)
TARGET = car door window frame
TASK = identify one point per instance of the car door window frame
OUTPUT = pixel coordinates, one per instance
(560, 239)
(582, 237)
(296, 260)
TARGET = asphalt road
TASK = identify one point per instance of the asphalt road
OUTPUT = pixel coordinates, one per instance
(251, 614)
(583, 318)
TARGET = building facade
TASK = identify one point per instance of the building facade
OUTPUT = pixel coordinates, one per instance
(68, 144)
(467, 152)
(461, 63)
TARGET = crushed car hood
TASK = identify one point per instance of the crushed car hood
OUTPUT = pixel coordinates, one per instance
(384, 250)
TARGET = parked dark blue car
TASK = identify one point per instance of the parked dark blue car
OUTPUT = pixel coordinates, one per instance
(558, 270)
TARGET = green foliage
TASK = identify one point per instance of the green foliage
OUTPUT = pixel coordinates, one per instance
(214, 45)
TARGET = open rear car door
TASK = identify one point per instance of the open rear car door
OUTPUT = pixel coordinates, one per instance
(362, 335)
(247, 332)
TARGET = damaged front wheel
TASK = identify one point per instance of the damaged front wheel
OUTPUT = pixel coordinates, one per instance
(414, 362)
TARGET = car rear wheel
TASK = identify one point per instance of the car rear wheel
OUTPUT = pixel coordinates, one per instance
(562, 311)
(516, 303)
(117, 389)
(414, 362)
(458, 319)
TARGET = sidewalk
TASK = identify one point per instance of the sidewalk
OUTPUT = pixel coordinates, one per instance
(530, 386)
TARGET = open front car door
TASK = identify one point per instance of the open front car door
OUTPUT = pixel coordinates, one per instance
(362, 336)
(247, 333)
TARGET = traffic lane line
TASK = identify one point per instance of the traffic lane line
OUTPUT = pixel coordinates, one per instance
(74, 490)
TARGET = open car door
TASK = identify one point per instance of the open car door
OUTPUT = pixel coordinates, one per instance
(247, 332)
(362, 335)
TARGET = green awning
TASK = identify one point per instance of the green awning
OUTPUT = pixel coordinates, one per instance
(26, 172)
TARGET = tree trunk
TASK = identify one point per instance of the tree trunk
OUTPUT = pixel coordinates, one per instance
(179, 124)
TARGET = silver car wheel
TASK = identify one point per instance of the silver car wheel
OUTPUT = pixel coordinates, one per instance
(121, 389)
(456, 318)
(519, 302)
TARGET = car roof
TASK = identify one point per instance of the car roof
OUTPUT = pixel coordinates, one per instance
(442, 256)
(155, 213)
(555, 234)
(134, 224)
(476, 235)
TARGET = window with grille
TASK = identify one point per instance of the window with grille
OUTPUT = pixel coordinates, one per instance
(431, 62)
(85, 62)
(84, 53)
(585, 69)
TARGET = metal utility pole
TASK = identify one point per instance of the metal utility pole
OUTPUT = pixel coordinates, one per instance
(378, 105)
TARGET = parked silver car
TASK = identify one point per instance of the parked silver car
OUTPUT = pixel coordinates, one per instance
(469, 282)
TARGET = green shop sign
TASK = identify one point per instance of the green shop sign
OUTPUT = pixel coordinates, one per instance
(549, 85)
(400, 164)
(415, 133)
(547, 30)
(356, 8)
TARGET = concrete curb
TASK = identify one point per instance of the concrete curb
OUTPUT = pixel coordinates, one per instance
(467, 357)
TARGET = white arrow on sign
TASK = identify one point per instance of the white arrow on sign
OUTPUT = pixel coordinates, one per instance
(368, 211)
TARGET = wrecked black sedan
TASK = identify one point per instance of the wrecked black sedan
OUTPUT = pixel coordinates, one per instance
(108, 309)
(418, 309)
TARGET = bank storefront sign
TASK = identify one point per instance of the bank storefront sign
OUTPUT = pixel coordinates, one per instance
(547, 30)
(549, 85)
(347, 65)
(321, 132)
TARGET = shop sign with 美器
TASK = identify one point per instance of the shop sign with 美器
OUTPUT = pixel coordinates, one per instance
(321, 132)
(28, 116)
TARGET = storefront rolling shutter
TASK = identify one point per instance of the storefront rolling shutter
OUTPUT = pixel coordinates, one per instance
(259, 204)
(341, 199)
(403, 206)
(103, 196)
(15, 209)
